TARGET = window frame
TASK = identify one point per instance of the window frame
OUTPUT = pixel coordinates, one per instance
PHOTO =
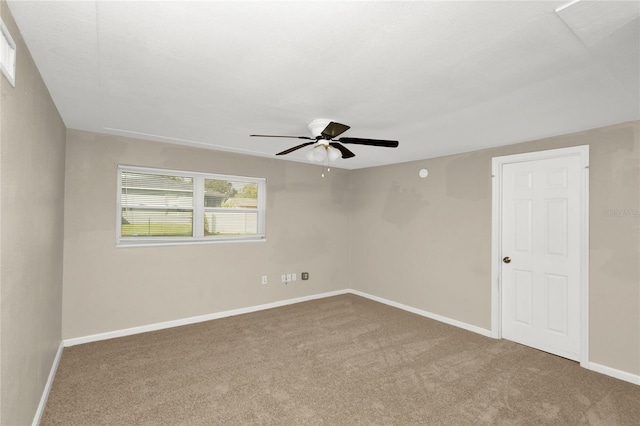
(199, 209)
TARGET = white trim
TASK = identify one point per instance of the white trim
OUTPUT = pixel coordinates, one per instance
(496, 238)
(233, 312)
(584, 254)
(446, 320)
(194, 320)
(618, 374)
(608, 371)
(496, 220)
(198, 205)
(188, 173)
(47, 386)
(190, 243)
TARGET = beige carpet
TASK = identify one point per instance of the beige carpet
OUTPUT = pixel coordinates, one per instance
(343, 360)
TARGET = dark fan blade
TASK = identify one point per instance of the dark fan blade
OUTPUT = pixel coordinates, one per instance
(372, 142)
(296, 147)
(345, 152)
(276, 136)
(334, 129)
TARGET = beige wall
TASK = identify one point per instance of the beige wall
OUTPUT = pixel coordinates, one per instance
(422, 242)
(427, 242)
(32, 145)
(108, 288)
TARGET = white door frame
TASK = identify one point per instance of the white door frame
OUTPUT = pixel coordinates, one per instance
(496, 238)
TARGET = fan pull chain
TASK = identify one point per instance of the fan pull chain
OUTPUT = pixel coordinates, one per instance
(328, 168)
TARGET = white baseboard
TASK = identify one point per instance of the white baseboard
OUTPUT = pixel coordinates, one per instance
(47, 386)
(194, 320)
(603, 369)
(455, 323)
(618, 374)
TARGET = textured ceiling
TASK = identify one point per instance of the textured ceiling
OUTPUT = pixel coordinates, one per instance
(440, 77)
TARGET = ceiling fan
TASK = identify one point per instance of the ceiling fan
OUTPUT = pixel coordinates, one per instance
(323, 134)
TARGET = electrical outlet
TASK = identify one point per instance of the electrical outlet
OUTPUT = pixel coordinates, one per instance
(264, 279)
(283, 277)
(305, 276)
(289, 278)
(294, 277)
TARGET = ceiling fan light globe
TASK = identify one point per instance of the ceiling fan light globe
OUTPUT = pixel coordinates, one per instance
(319, 153)
(334, 154)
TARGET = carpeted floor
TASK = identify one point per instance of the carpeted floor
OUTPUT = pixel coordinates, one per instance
(343, 360)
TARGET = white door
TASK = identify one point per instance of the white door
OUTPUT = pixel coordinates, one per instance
(541, 251)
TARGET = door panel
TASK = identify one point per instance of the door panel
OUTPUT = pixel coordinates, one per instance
(522, 221)
(556, 224)
(541, 234)
(557, 288)
(522, 283)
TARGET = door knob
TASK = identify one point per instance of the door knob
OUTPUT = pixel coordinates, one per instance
(507, 259)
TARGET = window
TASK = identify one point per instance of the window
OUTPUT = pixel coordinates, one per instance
(158, 206)
(7, 54)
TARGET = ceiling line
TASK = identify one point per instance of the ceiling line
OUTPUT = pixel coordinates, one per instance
(187, 141)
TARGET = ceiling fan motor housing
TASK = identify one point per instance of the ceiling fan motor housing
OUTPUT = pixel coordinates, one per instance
(317, 126)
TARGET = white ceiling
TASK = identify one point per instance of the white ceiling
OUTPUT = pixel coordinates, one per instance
(440, 77)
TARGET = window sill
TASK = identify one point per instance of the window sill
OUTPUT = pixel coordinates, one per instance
(165, 242)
